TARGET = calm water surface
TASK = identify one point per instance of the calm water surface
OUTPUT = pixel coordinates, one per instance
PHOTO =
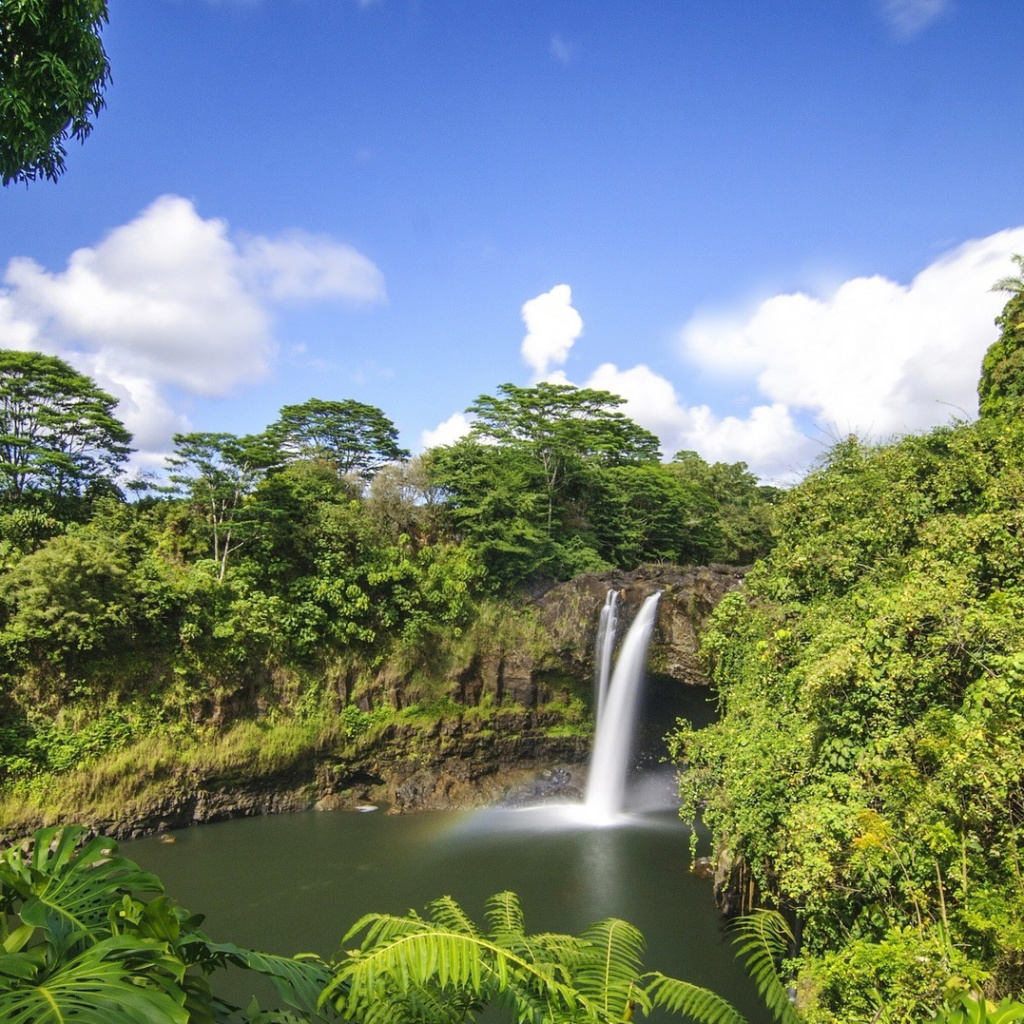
(295, 883)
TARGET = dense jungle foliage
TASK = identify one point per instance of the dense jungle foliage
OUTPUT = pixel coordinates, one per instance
(271, 575)
(868, 767)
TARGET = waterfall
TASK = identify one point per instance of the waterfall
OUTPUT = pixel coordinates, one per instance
(609, 762)
(603, 650)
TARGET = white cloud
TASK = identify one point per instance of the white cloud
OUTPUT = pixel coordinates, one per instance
(908, 17)
(876, 356)
(171, 301)
(552, 327)
(560, 49)
(308, 267)
(457, 425)
(767, 439)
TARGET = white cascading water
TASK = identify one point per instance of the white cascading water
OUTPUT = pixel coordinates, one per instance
(603, 650)
(609, 762)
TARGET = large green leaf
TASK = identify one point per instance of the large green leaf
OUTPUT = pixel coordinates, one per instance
(299, 980)
(120, 980)
(60, 881)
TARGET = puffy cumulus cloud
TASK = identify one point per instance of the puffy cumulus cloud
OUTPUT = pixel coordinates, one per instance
(457, 425)
(767, 439)
(552, 327)
(876, 356)
(171, 302)
(161, 297)
(908, 17)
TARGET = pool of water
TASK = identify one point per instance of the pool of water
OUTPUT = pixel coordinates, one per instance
(295, 883)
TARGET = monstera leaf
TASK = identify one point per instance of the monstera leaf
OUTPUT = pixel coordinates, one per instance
(120, 980)
(63, 886)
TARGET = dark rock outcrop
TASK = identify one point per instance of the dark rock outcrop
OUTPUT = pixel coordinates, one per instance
(570, 613)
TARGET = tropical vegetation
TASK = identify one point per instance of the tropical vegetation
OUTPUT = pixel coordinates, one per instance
(270, 578)
(867, 771)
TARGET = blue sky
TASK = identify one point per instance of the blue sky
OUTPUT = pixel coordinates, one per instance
(764, 225)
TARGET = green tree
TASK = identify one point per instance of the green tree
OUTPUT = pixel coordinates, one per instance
(53, 70)
(495, 503)
(58, 431)
(646, 514)
(1001, 387)
(559, 425)
(218, 472)
(351, 436)
(741, 528)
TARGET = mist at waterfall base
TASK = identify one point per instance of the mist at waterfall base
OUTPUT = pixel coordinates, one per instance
(296, 883)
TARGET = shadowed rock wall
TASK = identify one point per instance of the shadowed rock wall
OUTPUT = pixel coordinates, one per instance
(570, 613)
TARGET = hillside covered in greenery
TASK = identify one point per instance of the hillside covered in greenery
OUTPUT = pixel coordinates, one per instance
(867, 773)
(270, 579)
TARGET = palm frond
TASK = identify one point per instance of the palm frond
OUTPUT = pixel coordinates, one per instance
(686, 999)
(762, 939)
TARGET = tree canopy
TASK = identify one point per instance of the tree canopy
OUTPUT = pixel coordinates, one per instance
(1001, 388)
(58, 431)
(352, 436)
(556, 421)
(53, 70)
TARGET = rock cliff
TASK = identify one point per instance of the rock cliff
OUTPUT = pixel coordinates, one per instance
(570, 613)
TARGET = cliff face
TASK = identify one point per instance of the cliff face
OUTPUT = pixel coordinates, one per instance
(570, 613)
(567, 614)
(509, 743)
(511, 756)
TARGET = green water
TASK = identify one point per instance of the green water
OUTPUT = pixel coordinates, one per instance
(294, 883)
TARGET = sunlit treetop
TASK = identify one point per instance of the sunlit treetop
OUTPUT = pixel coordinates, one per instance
(53, 71)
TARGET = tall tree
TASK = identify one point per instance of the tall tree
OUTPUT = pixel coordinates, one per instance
(58, 432)
(219, 471)
(352, 436)
(1001, 387)
(53, 70)
(558, 424)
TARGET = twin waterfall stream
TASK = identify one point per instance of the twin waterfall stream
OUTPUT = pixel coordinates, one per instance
(616, 702)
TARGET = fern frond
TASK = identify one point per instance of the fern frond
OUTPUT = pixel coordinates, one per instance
(762, 939)
(456, 965)
(610, 966)
(448, 914)
(686, 999)
(504, 914)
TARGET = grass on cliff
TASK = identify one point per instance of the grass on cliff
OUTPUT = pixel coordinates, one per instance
(163, 764)
(121, 784)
